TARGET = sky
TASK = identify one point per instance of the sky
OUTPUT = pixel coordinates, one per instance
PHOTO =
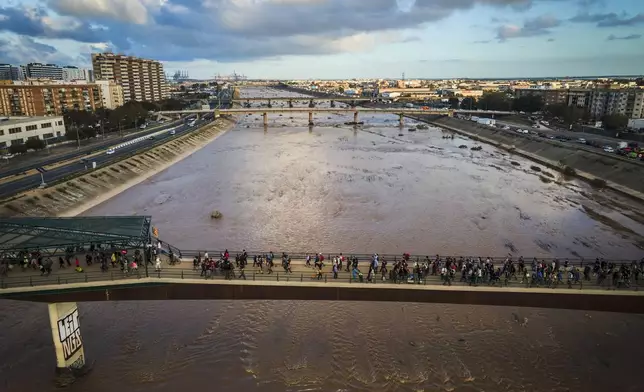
(328, 39)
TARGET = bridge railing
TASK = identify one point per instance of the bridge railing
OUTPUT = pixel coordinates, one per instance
(301, 255)
(301, 274)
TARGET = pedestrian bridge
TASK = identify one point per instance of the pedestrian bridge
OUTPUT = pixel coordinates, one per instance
(186, 284)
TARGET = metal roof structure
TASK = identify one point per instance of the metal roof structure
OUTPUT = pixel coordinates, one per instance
(18, 234)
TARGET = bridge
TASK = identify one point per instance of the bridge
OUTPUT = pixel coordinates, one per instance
(401, 112)
(31, 245)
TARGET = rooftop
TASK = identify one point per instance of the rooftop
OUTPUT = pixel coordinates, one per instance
(54, 233)
(21, 120)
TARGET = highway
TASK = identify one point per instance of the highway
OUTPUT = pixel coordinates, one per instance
(33, 164)
(11, 188)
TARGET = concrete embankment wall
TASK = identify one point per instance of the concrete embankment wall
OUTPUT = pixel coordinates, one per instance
(83, 192)
(619, 172)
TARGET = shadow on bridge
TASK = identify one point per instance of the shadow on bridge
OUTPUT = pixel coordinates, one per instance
(186, 284)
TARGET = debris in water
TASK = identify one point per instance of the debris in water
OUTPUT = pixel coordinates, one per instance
(216, 214)
(462, 146)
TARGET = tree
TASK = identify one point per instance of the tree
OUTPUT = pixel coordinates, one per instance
(17, 149)
(495, 101)
(568, 114)
(529, 103)
(34, 144)
(340, 89)
(468, 103)
(615, 121)
(454, 103)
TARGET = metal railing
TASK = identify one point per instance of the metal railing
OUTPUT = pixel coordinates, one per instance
(300, 255)
(310, 275)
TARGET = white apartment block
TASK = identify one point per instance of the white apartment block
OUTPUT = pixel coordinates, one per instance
(73, 73)
(627, 102)
(141, 79)
(17, 130)
(111, 93)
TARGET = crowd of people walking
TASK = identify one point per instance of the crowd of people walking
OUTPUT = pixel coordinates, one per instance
(401, 269)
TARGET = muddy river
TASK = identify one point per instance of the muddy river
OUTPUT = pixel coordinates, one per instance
(335, 188)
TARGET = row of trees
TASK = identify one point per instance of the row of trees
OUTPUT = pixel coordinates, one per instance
(83, 124)
(499, 101)
(534, 103)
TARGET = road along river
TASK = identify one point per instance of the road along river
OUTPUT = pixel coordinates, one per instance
(332, 188)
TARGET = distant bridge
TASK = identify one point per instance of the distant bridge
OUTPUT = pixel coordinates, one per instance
(355, 111)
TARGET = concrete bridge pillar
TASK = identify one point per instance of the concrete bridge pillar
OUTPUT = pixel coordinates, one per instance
(310, 118)
(270, 105)
(401, 120)
(290, 103)
(355, 117)
(265, 115)
(332, 103)
(311, 104)
(65, 330)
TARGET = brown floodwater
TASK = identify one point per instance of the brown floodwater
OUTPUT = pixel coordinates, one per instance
(335, 189)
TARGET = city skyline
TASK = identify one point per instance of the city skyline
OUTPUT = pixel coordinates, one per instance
(327, 39)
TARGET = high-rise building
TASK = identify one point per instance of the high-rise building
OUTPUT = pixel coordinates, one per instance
(74, 73)
(627, 102)
(9, 72)
(141, 79)
(111, 93)
(48, 99)
(44, 71)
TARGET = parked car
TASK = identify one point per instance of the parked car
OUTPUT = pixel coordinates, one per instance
(581, 140)
(110, 151)
(609, 149)
(172, 132)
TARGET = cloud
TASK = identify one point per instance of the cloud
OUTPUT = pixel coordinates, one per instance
(540, 25)
(134, 11)
(245, 30)
(623, 38)
(21, 50)
(610, 19)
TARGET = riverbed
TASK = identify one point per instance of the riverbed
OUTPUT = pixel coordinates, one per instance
(336, 188)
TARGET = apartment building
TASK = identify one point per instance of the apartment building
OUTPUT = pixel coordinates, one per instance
(141, 79)
(48, 99)
(74, 73)
(627, 102)
(111, 93)
(44, 71)
(19, 130)
(10, 72)
(549, 96)
(579, 98)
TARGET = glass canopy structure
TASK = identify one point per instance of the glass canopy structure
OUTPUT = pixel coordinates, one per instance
(55, 234)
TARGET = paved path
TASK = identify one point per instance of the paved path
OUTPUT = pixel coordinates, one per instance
(301, 273)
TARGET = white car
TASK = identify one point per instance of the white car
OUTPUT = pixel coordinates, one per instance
(609, 149)
(110, 151)
(525, 131)
(172, 132)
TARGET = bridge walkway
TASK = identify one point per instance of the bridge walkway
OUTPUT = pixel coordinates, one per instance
(17, 277)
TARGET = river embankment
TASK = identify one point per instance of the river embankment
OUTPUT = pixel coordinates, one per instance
(620, 174)
(86, 191)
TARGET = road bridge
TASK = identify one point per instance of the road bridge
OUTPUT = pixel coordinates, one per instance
(401, 112)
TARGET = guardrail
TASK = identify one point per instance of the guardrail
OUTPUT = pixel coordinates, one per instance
(577, 262)
(251, 273)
